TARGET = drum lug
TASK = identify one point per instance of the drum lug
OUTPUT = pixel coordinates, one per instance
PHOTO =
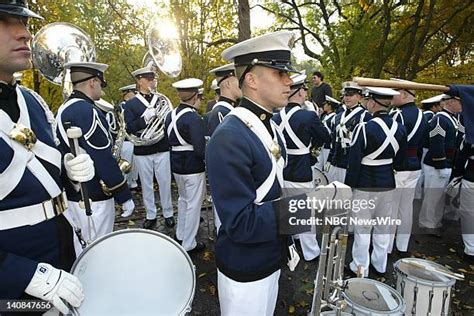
(402, 288)
(430, 302)
(445, 296)
(415, 294)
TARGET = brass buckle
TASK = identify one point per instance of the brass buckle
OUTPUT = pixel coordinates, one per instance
(59, 204)
(23, 135)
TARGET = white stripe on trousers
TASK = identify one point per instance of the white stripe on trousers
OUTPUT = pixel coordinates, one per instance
(191, 191)
(257, 298)
(159, 165)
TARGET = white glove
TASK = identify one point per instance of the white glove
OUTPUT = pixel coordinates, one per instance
(444, 173)
(128, 208)
(55, 286)
(80, 168)
(149, 114)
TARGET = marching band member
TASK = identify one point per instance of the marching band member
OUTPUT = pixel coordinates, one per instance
(329, 111)
(229, 93)
(407, 165)
(464, 171)
(79, 110)
(370, 172)
(301, 130)
(439, 162)
(343, 127)
(430, 107)
(36, 240)
(128, 92)
(152, 159)
(245, 160)
(186, 134)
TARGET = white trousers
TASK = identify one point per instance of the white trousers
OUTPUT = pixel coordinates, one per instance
(308, 241)
(100, 223)
(432, 208)
(378, 205)
(466, 214)
(159, 165)
(191, 190)
(421, 180)
(127, 154)
(217, 221)
(322, 158)
(257, 298)
(336, 174)
(402, 207)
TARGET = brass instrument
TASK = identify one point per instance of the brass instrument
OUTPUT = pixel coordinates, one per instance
(57, 44)
(329, 285)
(124, 165)
(163, 53)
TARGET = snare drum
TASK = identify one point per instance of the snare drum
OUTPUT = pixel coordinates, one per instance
(424, 291)
(370, 297)
(135, 272)
(319, 178)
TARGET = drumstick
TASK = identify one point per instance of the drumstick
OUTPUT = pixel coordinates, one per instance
(73, 133)
(409, 85)
(447, 273)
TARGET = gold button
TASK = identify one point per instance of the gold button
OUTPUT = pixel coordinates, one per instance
(263, 116)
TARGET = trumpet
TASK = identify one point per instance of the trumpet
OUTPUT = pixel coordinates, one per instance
(329, 285)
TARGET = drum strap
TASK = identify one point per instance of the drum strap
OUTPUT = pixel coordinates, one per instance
(150, 104)
(371, 159)
(184, 146)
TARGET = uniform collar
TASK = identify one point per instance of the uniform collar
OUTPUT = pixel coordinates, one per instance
(450, 113)
(409, 104)
(380, 113)
(292, 105)
(354, 107)
(6, 90)
(225, 99)
(147, 97)
(80, 95)
(256, 109)
(186, 105)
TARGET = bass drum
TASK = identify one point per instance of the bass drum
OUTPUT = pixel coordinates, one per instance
(370, 297)
(319, 178)
(135, 272)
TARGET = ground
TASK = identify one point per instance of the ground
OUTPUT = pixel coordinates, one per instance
(296, 288)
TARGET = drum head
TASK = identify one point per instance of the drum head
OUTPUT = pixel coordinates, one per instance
(135, 272)
(420, 274)
(319, 178)
(371, 296)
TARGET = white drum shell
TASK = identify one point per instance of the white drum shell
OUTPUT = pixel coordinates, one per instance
(391, 297)
(419, 303)
(135, 272)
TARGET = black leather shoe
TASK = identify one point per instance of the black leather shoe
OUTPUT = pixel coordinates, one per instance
(199, 247)
(377, 273)
(169, 222)
(349, 274)
(149, 223)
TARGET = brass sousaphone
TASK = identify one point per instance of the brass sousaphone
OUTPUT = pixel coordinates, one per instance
(163, 53)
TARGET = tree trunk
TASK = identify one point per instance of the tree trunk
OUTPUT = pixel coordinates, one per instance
(244, 20)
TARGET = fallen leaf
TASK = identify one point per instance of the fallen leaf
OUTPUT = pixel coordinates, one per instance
(207, 256)
(303, 304)
(309, 292)
(466, 307)
(471, 283)
(201, 275)
(452, 250)
(462, 270)
(212, 290)
(291, 309)
(471, 266)
(305, 267)
(202, 290)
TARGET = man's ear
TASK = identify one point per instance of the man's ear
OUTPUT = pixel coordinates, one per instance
(251, 80)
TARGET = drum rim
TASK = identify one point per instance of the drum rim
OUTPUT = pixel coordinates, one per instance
(429, 283)
(400, 308)
(188, 306)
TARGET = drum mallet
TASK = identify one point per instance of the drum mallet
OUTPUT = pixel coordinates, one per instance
(73, 134)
